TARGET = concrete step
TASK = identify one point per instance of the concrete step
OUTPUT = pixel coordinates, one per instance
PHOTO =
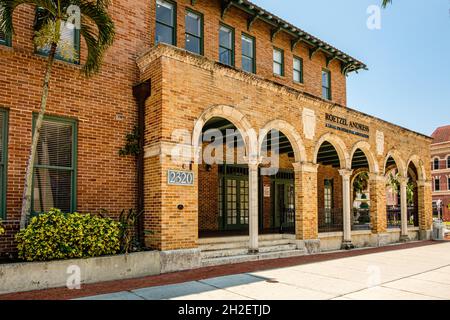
(242, 244)
(254, 257)
(263, 237)
(244, 250)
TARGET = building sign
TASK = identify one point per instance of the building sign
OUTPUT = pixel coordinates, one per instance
(342, 124)
(180, 178)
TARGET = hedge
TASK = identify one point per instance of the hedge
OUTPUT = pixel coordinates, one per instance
(56, 236)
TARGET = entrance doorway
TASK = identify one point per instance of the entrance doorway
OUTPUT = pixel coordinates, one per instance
(233, 197)
(283, 202)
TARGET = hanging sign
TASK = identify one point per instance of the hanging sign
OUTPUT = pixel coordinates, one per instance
(180, 178)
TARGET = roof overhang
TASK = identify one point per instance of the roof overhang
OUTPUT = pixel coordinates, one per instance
(314, 44)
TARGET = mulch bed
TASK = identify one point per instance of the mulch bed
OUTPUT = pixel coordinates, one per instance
(196, 274)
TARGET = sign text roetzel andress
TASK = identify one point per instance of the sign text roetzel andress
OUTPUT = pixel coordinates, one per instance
(345, 122)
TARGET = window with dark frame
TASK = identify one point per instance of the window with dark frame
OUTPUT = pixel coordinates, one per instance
(226, 45)
(448, 183)
(326, 84)
(54, 178)
(4, 40)
(278, 62)
(437, 184)
(328, 200)
(448, 162)
(194, 32)
(165, 22)
(436, 164)
(248, 54)
(298, 70)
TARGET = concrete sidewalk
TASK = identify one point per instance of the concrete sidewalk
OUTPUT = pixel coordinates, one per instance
(409, 274)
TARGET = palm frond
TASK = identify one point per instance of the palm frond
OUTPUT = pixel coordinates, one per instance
(98, 31)
(386, 3)
(9, 6)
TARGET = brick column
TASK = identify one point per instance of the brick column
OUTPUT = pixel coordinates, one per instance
(404, 208)
(171, 211)
(306, 215)
(424, 193)
(378, 214)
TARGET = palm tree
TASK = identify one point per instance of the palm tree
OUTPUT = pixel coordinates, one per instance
(97, 29)
(386, 2)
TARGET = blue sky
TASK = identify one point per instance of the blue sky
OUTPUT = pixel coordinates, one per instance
(408, 82)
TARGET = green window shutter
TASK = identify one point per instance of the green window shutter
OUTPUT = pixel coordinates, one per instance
(55, 167)
(3, 160)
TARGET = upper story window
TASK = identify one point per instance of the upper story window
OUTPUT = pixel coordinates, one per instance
(54, 175)
(437, 184)
(165, 22)
(69, 45)
(326, 84)
(436, 164)
(194, 32)
(248, 54)
(448, 162)
(226, 45)
(298, 70)
(4, 40)
(278, 62)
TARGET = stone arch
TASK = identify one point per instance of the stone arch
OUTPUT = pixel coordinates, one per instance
(365, 147)
(418, 163)
(290, 132)
(394, 154)
(233, 115)
(340, 147)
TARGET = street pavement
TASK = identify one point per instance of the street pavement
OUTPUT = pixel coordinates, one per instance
(421, 273)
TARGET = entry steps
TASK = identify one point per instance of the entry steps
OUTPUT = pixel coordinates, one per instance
(230, 250)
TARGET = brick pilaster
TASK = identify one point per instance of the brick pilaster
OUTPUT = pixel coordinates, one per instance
(377, 184)
(306, 220)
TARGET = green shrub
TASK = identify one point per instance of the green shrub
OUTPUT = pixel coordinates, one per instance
(55, 235)
(2, 229)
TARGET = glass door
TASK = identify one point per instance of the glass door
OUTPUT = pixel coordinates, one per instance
(234, 202)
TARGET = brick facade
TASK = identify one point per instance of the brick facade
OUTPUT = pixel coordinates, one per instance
(103, 106)
(186, 89)
(440, 150)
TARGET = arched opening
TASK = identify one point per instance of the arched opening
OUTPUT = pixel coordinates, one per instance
(412, 193)
(360, 191)
(277, 184)
(329, 189)
(393, 201)
(223, 195)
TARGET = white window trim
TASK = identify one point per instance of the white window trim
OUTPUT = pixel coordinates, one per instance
(433, 160)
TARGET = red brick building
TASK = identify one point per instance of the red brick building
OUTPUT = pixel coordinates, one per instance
(178, 69)
(440, 166)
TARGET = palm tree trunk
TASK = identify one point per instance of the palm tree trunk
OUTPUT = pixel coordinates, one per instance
(27, 191)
